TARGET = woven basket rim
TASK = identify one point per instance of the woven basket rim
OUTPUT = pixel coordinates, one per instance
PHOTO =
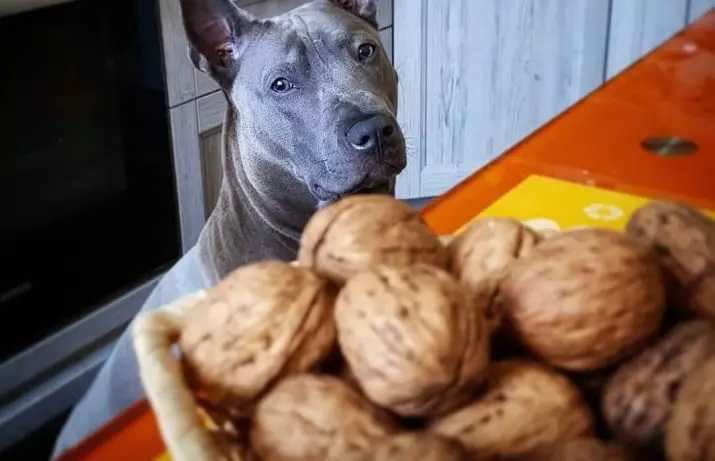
(174, 406)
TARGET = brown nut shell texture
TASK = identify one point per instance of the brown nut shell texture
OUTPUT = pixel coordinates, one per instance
(311, 417)
(359, 232)
(413, 340)
(584, 299)
(263, 321)
(638, 399)
(414, 446)
(480, 256)
(525, 406)
(581, 449)
(684, 241)
(690, 435)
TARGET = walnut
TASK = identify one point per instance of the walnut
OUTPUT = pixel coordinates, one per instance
(480, 256)
(311, 417)
(412, 446)
(525, 406)
(581, 449)
(251, 330)
(584, 299)
(413, 339)
(359, 232)
(638, 399)
(684, 241)
(690, 434)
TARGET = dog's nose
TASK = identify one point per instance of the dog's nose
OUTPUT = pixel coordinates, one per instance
(371, 132)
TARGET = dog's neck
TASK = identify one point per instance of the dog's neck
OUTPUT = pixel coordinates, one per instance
(252, 223)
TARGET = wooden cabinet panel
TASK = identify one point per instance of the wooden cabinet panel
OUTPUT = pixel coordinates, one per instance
(386, 38)
(269, 8)
(387, 42)
(211, 111)
(180, 81)
(212, 167)
(638, 26)
(188, 172)
(477, 77)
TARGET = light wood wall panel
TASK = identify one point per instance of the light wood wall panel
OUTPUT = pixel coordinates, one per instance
(699, 7)
(638, 26)
(479, 76)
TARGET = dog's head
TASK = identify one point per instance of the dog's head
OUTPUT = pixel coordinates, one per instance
(314, 88)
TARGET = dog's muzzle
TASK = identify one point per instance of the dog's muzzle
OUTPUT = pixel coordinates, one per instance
(374, 154)
(379, 184)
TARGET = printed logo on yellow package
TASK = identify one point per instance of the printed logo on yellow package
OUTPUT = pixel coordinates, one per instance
(548, 204)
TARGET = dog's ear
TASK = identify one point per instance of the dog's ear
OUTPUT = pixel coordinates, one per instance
(215, 29)
(366, 9)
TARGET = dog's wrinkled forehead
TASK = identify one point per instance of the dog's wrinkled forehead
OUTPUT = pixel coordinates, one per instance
(319, 26)
(313, 46)
(324, 15)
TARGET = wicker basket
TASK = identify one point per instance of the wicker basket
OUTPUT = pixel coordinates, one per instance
(188, 431)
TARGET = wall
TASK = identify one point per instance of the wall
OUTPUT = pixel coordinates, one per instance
(478, 76)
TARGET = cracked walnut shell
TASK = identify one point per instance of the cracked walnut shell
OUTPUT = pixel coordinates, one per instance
(262, 322)
(315, 417)
(359, 232)
(525, 406)
(584, 299)
(414, 341)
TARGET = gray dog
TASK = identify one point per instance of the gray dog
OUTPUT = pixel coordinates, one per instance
(311, 117)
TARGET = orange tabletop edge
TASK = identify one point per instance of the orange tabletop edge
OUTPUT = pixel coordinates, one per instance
(669, 92)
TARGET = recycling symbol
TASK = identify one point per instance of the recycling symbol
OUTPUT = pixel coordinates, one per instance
(603, 212)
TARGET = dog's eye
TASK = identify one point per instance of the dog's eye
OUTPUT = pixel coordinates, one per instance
(281, 85)
(366, 50)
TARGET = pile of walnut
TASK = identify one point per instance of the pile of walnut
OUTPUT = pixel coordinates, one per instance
(384, 343)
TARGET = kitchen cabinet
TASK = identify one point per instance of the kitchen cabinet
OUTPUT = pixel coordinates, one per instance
(196, 135)
(478, 76)
(638, 26)
(211, 148)
(697, 8)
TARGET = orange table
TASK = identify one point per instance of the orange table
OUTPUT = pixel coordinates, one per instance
(597, 142)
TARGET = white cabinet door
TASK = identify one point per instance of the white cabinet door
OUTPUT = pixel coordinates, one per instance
(699, 8)
(639, 26)
(478, 76)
